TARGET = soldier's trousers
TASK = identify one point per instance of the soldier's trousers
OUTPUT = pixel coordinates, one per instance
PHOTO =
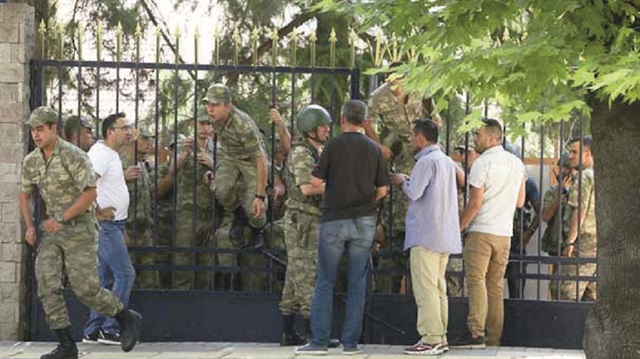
(143, 237)
(455, 282)
(578, 290)
(301, 240)
(72, 251)
(188, 236)
(235, 185)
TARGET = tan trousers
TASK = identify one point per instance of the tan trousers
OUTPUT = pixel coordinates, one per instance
(486, 257)
(430, 291)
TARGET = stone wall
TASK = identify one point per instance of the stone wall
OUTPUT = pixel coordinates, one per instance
(17, 41)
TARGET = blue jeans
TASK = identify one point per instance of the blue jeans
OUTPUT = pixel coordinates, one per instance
(356, 236)
(115, 271)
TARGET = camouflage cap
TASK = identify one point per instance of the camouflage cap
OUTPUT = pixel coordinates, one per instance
(172, 139)
(203, 116)
(563, 161)
(217, 93)
(41, 116)
(144, 131)
(75, 122)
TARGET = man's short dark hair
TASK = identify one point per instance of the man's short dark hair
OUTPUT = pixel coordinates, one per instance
(355, 112)
(109, 122)
(586, 142)
(493, 127)
(427, 128)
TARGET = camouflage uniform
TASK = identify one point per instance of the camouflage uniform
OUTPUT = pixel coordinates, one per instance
(164, 227)
(394, 121)
(72, 251)
(140, 219)
(550, 240)
(455, 282)
(587, 246)
(300, 233)
(235, 183)
(186, 235)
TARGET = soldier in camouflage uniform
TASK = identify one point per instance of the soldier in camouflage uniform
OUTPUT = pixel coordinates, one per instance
(241, 172)
(195, 206)
(394, 111)
(455, 281)
(139, 225)
(163, 186)
(556, 214)
(301, 220)
(68, 245)
(582, 237)
(78, 130)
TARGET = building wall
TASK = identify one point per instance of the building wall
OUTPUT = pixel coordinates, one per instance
(17, 39)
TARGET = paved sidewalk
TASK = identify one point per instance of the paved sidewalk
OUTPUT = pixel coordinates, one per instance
(33, 350)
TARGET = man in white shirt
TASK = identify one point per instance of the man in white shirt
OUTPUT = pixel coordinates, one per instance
(497, 188)
(114, 264)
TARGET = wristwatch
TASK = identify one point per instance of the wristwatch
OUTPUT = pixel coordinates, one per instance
(261, 196)
(59, 217)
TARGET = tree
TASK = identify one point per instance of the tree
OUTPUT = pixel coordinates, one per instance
(547, 61)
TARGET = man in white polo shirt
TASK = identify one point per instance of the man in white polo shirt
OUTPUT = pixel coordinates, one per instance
(114, 264)
(497, 188)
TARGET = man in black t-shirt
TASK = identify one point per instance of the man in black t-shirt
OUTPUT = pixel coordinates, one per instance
(353, 171)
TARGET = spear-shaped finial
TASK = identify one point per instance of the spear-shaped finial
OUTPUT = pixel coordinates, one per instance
(99, 33)
(118, 41)
(42, 31)
(138, 35)
(178, 35)
(236, 45)
(312, 48)
(79, 36)
(352, 42)
(294, 45)
(332, 49)
(274, 46)
(255, 36)
(216, 44)
(196, 43)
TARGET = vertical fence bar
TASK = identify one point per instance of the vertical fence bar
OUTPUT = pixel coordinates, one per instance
(118, 60)
(541, 208)
(79, 99)
(558, 265)
(156, 118)
(99, 31)
(60, 57)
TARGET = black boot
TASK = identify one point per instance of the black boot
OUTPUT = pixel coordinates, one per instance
(307, 329)
(66, 348)
(240, 220)
(129, 322)
(258, 238)
(289, 335)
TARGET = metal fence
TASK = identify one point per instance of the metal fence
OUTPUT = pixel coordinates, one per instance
(262, 269)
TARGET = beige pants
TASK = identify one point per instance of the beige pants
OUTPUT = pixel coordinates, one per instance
(486, 257)
(430, 291)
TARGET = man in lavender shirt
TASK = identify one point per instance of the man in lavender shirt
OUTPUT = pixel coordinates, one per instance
(432, 233)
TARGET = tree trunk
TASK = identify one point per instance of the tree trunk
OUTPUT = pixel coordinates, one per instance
(613, 326)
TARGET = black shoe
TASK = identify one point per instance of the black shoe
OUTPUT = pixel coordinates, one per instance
(129, 321)
(467, 341)
(240, 220)
(258, 239)
(91, 338)
(289, 335)
(66, 348)
(109, 338)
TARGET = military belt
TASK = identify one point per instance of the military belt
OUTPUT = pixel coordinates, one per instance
(79, 219)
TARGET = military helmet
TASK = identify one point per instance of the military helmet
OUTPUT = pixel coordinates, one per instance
(311, 117)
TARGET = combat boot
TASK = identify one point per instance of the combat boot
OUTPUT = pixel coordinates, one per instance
(129, 322)
(240, 220)
(289, 335)
(66, 348)
(307, 329)
(258, 238)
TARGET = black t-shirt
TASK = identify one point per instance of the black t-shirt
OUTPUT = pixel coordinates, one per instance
(353, 167)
